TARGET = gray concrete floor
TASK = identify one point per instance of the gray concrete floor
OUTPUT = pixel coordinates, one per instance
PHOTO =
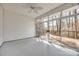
(31, 47)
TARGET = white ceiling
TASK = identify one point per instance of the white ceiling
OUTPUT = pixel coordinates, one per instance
(24, 8)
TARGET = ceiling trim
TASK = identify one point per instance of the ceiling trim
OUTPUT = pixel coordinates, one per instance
(57, 9)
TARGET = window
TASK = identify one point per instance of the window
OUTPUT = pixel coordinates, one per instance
(45, 19)
(78, 27)
(78, 23)
(45, 25)
(77, 10)
(56, 15)
(63, 24)
(50, 17)
(65, 13)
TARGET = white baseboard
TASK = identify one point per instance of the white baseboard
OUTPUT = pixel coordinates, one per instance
(19, 39)
(1, 42)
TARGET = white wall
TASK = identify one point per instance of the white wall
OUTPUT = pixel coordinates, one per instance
(1, 28)
(17, 26)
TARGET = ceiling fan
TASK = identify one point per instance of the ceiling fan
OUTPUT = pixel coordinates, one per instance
(33, 7)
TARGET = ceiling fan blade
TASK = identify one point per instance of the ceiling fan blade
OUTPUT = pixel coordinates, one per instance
(39, 8)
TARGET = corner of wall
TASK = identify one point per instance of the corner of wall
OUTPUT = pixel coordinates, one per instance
(1, 24)
(1, 42)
